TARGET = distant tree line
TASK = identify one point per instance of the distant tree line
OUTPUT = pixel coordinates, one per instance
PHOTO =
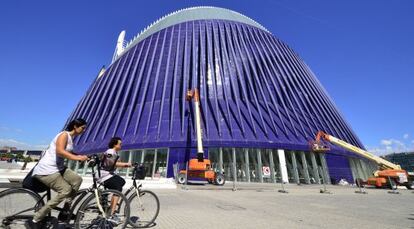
(18, 157)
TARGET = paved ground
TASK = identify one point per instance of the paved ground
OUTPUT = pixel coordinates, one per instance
(262, 206)
(6, 165)
(302, 207)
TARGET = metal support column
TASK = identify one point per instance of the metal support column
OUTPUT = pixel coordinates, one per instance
(282, 166)
(142, 159)
(246, 159)
(221, 160)
(325, 168)
(154, 164)
(76, 166)
(353, 168)
(167, 164)
(272, 167)
(260, 165)
(315, 168)
(85, 167)
(70, 162)
(129, 161)
(365, 168)
(295, 167)
(360, 169)
(234, 169)
(143, 155)
(305, 167)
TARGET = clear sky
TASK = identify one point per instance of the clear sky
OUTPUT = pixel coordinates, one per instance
(361, 51)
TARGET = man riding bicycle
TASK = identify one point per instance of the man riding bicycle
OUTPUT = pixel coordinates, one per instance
(109, 179)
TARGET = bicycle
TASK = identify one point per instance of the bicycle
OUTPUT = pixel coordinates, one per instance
(98, 205)
(144, 203)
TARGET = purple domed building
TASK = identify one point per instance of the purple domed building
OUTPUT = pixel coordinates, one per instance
(260, 103)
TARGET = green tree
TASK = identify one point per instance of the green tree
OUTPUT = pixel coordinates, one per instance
(20, 157)
(28, 159)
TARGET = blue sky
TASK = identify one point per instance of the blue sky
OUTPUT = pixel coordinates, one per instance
(361, 51)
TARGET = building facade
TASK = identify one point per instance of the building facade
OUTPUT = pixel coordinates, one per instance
(260, 103)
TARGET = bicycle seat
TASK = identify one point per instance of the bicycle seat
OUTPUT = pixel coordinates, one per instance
(33, 184)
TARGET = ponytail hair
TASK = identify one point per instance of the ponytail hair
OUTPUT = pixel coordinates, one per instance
(75, 123)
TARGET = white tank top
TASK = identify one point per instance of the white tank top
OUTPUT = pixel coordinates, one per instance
(51, 162)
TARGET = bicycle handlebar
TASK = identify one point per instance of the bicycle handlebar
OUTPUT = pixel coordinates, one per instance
(92, 160)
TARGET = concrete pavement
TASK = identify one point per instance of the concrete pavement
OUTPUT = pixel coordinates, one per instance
(262, 206)
(302, 207)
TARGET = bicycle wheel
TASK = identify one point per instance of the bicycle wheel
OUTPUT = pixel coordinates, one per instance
(81, 195)
(18, 205)
(145, 209)
(90, 214)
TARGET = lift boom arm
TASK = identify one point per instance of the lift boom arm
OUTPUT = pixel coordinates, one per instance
(194, 95)
(384, 164)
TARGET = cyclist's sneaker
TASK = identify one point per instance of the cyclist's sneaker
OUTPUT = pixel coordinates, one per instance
(64, 215)
(115, 219)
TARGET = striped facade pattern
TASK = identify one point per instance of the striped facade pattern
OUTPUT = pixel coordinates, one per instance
(255, 92)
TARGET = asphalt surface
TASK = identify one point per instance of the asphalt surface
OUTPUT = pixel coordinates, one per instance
(262, 206)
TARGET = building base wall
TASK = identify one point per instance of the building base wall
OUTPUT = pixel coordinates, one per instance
(339, 168)
(243, 164)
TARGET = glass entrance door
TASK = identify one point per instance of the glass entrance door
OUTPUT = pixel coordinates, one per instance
(148, 162)
(161, 163)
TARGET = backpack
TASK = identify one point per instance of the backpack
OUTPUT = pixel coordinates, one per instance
(30, 182)
(108, 163)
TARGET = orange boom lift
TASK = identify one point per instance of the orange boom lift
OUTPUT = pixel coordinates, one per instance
(388, 175)
(199, 167)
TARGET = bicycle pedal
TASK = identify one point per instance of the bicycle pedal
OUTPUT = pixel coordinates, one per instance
(50, 219)
(65, 216)
(50, 222)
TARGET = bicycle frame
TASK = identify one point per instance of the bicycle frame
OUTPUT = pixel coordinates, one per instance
(78, 200)
(136, 188)
(81, 194)
(95, 186)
